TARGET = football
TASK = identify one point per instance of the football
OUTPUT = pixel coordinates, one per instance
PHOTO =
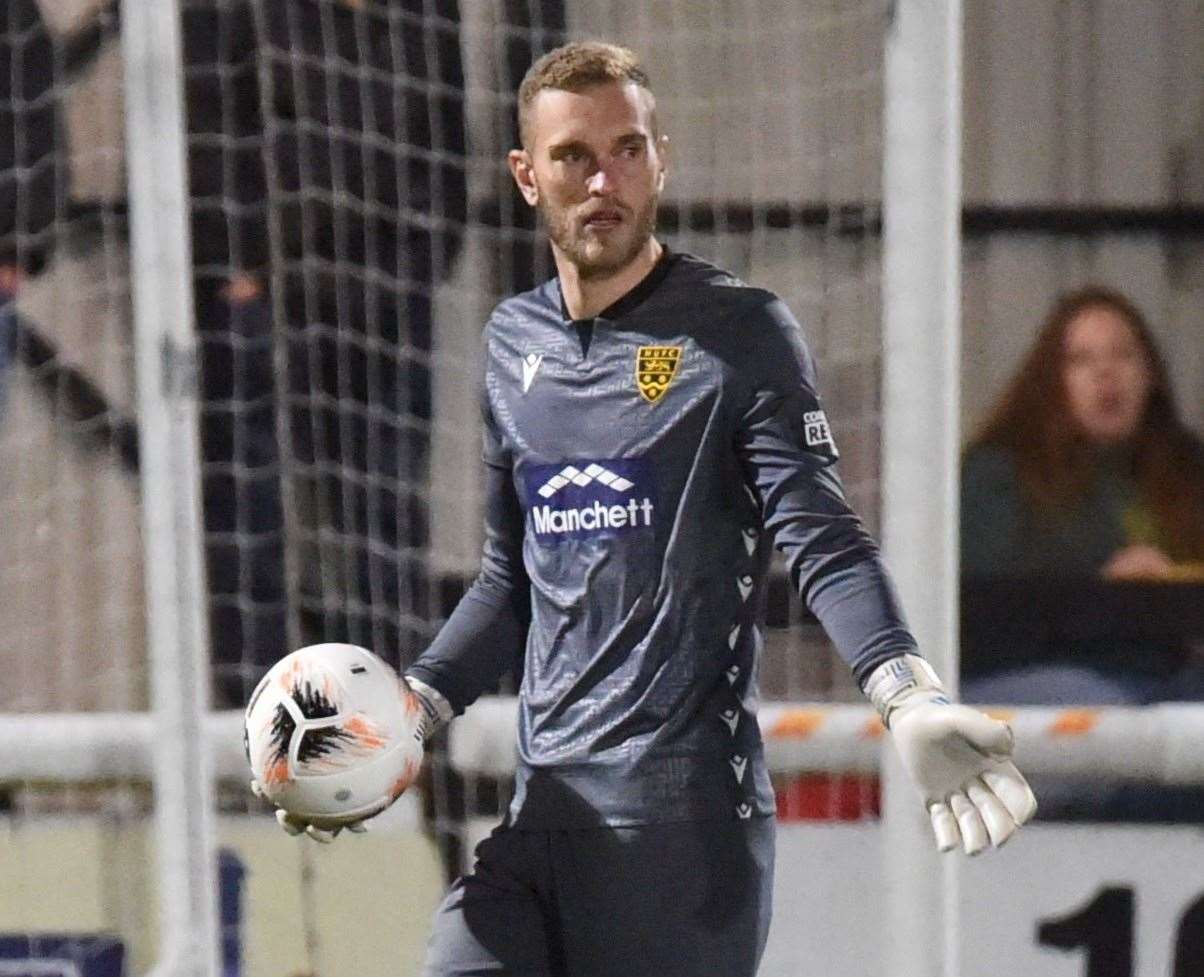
(332, 734)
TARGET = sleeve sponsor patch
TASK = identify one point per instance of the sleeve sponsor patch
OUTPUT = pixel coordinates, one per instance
(816, 432)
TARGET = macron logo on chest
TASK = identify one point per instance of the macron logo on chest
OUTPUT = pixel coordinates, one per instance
(531, 364)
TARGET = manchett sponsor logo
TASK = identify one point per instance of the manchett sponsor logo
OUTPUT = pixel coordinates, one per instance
(584, 499)
(575, 476)
(597, 516)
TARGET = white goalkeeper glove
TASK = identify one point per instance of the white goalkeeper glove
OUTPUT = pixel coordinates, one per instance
(435, 711)
(958, 757)
(293, 825)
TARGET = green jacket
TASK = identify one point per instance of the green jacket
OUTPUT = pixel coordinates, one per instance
(1003, 536)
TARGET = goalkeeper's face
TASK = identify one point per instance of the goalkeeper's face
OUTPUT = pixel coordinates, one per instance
(594, 166)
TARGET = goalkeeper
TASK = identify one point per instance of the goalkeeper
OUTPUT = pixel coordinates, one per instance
(652, 430)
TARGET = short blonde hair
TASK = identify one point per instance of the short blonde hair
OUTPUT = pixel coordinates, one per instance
(575, 67)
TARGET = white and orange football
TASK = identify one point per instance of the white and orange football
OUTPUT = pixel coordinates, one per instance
(332, 735)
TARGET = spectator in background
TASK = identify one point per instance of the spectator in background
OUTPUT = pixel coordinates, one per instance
(36, 67)
(32, 175)
(530, 28)
(1084, 470)
(9, 277)
(329, 194)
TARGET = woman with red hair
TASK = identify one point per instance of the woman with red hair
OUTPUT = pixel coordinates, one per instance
(1084, 470)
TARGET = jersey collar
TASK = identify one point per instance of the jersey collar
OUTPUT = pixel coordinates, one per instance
(628, 302)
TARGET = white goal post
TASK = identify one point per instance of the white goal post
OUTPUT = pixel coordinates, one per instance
(921, 328)
(165, 349)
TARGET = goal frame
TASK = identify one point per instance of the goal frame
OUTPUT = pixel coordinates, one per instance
(165, 361)
(921, 338)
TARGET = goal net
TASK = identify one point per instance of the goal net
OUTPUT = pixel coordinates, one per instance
(351, 223)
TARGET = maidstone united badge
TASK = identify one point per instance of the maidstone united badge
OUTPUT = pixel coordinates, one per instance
(655, 367)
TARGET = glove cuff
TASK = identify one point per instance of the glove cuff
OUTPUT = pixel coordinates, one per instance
(894, 682)
(436, 710)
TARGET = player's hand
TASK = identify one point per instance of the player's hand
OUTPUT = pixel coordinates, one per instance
(295, 826)
(958, 757)
(326, 832)
(433, 709)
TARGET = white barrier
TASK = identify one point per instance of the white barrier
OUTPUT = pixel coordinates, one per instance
(1061, 900)
(1155, 744)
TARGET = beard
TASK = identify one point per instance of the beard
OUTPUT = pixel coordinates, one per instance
(600, 256)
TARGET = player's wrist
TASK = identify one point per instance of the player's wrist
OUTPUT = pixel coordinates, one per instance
(437, 712)
(903, 682)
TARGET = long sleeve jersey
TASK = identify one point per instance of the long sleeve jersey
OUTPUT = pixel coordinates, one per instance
(641, 466)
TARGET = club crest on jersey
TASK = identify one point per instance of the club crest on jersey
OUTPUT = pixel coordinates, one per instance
(655, 368)
(582, 499)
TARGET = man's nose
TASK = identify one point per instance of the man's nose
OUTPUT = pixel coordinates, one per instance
(601, 181)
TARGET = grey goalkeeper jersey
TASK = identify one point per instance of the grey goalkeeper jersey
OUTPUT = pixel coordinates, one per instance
(641, 467)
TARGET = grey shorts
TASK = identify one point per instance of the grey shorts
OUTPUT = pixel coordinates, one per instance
(683, 899)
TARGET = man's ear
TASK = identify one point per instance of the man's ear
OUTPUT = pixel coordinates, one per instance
(521, 168)
(662, 156)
